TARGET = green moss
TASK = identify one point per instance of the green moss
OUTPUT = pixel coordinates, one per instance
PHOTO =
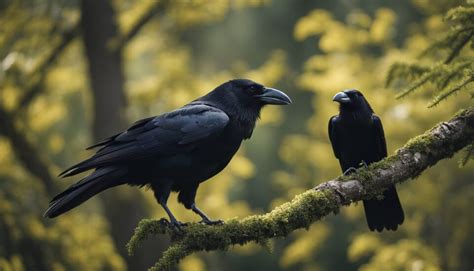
(420, 143)
(301, 212)
(145, 228)
(171, 257)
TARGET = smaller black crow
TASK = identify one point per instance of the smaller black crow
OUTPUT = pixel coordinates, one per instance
(357, 138)
(175, 151)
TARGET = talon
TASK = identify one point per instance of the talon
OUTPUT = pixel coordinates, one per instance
(178, 225)
(212, 222)
(164, 221)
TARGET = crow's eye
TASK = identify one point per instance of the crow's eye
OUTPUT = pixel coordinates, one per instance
(255, 89)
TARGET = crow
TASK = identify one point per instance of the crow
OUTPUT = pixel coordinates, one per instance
(357, 138)
(175, 151)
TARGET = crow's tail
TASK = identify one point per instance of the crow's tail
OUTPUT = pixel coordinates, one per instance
(386, 213)
(81, 191)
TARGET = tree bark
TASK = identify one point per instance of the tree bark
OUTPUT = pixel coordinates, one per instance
(123, 207)
(421, 152)
(105, 67)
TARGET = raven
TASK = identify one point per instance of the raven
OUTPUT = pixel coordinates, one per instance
(175, 151)
(357, 138)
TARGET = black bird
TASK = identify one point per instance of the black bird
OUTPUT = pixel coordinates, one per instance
(175, 151)
(357, 139)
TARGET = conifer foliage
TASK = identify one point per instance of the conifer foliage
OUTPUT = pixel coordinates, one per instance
(449, 69)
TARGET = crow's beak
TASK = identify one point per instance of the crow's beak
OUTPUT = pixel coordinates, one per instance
(274, 96)
(342, 98)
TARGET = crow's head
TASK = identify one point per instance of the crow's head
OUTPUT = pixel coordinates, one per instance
(250, 93)
(352, 100)
(242, 100)
(246, 95)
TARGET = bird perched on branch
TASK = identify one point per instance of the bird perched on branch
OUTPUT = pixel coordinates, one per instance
(175, 151)
(357, 138)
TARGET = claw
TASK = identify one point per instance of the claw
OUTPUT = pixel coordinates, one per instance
(177, 224)
(173, 224)
(212, 222)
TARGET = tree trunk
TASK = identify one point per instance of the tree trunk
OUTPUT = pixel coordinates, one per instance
(123, 207)
(105, 67)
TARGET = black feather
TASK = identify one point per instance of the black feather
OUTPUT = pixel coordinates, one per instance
(174, 151)
(81, 191)
(357, 136)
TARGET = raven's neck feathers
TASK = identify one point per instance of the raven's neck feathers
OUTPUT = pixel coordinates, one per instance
(244, 117)
(359, 114)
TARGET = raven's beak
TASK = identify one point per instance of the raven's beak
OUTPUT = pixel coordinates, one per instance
(274, 96)
(342, 98)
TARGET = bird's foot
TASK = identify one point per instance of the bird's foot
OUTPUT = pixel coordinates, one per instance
(174, 224)
(207, 221)
(178, 225)
(363, 164)
(350, 170)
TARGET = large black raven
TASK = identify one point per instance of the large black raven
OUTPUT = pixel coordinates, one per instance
(175, 151)
(357, 138)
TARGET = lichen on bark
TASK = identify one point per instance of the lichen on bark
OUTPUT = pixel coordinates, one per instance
(421, 152)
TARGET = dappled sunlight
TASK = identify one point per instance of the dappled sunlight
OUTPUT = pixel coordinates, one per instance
(49, 104)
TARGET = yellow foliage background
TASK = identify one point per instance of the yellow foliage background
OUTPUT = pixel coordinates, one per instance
(309, 50)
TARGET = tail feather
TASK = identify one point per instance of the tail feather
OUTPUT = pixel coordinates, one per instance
(83, 190)
(75, 169)
(386, 213)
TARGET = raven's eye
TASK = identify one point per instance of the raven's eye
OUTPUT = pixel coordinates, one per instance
(254, 89)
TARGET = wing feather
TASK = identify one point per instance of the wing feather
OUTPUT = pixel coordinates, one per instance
(169, 133)
(379, 136)
(332, 131)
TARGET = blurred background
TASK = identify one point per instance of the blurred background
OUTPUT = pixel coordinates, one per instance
(74, 72)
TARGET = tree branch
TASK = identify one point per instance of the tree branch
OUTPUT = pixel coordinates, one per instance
(42, 69)
(421, 152)
(138, 25)
(39, 74)
(26, 153)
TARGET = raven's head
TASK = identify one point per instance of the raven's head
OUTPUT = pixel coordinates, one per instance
(250, 93)
(241, 95)
(352, 100)
(242, 99)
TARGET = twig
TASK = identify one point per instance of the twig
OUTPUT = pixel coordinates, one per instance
(42, 69)
(28, 155)
(121, 41)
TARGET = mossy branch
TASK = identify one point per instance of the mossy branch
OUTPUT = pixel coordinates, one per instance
(421, 152)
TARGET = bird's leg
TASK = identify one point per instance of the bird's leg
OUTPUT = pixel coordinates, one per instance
(173, 219)
(186, 197)
(205, 218)
(162, 192)
(363, 163)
